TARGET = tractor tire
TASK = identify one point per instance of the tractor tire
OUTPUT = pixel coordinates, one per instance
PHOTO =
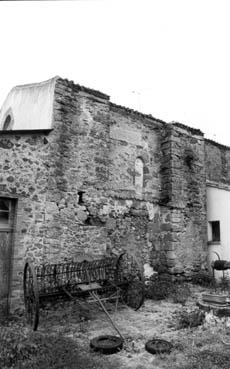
(106, 344)
(158, 346)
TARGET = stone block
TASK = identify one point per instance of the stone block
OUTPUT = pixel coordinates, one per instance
(129, 136)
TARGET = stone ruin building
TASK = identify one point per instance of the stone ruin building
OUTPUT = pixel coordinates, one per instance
(80, 174)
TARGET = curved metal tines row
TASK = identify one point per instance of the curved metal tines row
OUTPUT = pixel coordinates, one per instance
(52, 277)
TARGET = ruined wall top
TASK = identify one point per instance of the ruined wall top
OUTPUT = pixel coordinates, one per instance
(30, 107)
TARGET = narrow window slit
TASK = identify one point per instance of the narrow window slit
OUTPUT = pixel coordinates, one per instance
(80, 197)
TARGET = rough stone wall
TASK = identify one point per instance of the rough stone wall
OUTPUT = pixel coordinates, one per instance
(184, 193)
(24, 176)
(93, 151)
(217, 162)
(132, 137)
(78, 149)
(76, 186)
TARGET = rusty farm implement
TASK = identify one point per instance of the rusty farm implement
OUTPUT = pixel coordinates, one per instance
(117, 278)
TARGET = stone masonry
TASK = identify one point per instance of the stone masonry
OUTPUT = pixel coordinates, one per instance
(75, 190)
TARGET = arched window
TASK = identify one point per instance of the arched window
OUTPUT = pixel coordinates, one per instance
(8, 120)
(139, 174)
(7, 123)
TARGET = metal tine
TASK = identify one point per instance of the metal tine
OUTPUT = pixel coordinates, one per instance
(75, 272)
(64, 276)
(58, 274)
(82, 273)
(69, 273)
(55, 272)
(100, 269)
(48, 277)
(86, 270)
(51, 276)
(92, 271)
(97, 267)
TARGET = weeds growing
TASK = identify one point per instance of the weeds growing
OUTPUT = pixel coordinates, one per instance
(189, 319)
(161, 287)
(21, 348)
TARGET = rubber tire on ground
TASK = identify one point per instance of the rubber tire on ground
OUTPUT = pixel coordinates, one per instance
(158, 346)
(106, 344)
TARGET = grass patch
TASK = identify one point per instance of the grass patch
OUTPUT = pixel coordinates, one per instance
(204, 279)
(21, 348)
(205, 359)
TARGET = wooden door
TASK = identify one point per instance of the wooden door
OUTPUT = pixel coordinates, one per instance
(6, 233)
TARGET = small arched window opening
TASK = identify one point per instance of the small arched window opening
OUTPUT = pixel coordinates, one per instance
(8, 122)
(139, 175)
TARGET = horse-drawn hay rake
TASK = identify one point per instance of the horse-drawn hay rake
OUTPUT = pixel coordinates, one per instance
(110, 278)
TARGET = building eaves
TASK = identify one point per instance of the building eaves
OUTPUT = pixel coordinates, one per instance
(77, 88)
(136, 113)
(12, 132)
(194, 131)
(217, 144)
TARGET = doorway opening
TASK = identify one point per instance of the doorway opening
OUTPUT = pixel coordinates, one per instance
(7, 218)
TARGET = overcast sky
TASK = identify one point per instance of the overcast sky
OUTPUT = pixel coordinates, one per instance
(168, 58)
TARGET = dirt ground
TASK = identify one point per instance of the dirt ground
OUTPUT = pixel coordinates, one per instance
(153, 319)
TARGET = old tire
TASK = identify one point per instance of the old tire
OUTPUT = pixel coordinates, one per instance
(106, 344)
(158, 346)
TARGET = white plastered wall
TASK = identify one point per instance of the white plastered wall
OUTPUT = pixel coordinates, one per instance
(31, 106)
(218, 209)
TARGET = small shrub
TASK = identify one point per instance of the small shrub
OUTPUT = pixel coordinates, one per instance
(189, 319)
(180, 293)
(224, 284)
(203, 278)
(159, 287)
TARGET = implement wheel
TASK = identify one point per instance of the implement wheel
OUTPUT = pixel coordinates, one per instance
(106, 344)
(130, 275)
(31, 298)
